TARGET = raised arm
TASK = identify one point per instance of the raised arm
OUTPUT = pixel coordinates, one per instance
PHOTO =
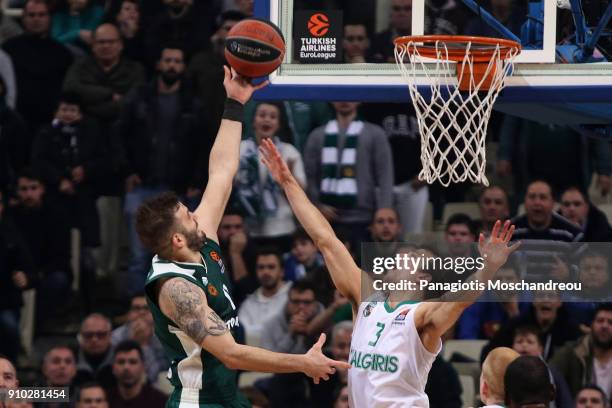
(185, 304)
(433, 319)
(344, 272)
(224, 155)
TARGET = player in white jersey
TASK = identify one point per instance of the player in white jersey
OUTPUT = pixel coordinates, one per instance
(394, 343)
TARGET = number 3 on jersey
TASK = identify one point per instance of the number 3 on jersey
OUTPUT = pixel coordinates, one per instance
(381, 327)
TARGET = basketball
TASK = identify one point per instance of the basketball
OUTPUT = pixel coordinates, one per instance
(254, 47)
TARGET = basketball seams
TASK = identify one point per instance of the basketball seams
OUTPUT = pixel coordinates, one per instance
(281, 52)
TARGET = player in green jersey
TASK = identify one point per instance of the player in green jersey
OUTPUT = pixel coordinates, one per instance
(188, 291)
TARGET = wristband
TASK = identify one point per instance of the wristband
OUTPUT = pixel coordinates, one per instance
(233, 110)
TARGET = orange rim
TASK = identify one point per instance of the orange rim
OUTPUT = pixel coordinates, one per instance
(482, 48)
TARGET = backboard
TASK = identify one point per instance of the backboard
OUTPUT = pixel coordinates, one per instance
(546, 84)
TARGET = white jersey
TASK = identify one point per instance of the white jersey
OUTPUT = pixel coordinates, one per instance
(390, 365)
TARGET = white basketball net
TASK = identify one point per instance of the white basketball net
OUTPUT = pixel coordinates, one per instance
(452, 123)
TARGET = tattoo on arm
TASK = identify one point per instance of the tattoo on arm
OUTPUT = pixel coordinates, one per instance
(190, 311)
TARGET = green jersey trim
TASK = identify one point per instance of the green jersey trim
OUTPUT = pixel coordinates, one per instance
(390, 309)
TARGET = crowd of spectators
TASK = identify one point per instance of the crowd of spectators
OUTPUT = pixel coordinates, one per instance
(106, 103)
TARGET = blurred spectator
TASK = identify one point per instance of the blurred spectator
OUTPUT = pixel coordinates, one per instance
(239, 253)
(527, 383)
(104, 80)
(576, 207)
(184, 22)
(355, 43)
(46, 229)
(484, 318)
(95, 355)
(527, 342)
(324, 393)
(446, 17)
(269, 216)
(385, 226)
(8, 27)
(131, 388)
(269, 299)
(493, 203)
(244, 6)
(332, 314)
(400, 24)
(443, 387)
(304, 259)
(587, 360)
(508, 12)
(286, 332)
(557, 154)
(40, 64)
(139, 328)
(255, 396)
(14, 143)
(460, 237)
(59, 367)
(129, 21)
(341, 397)
(165, 148)
(492, 391)
(302, 117)
(350, 171)
(15, 275)
(206, 68)
(73, 24)
(8, 374)
(71, 155)
(540, 221)
(91, 395)
(411, 194)
(552, 319)
(591, 396)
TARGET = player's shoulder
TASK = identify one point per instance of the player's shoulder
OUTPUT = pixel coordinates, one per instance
(164, 269)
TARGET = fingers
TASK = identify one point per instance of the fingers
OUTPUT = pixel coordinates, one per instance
(504, 230)
(481, 239)
(495, 230)
(316, 380)
(509, 233)
(227, 73)
(340, 364)
(515, 246)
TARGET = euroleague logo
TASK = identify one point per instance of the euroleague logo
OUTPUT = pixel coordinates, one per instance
(318, 25)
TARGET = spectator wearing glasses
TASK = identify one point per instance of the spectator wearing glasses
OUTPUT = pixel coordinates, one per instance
(91, 395)
(95, 356)
(576, 207)
(287, 331)
(269, 299)
(139, 328)
(355, 43)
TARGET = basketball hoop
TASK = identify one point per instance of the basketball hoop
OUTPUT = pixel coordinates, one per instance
(453, 120)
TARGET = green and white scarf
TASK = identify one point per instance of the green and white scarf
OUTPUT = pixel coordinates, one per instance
(258, 199)
(338, 169)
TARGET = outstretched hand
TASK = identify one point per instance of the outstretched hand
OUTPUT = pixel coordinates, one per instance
(495, 250)
(320, 367)
(274, 162)
(238, 87)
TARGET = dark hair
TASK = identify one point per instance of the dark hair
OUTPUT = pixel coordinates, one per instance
(128, 345)
(30, 174)
(61, 346)
(603, 307)
(155, 221)
(5, 357)
(69, 98)
(300, 234)
(229, 15)
(269, 250)
(527, 381)
(461, 219)
(172, 46)
(86, 386)
(525, 329)
(552, 192)
(283, 132)
(583, 192)
(597, 388)
(491, 187)
(302, 285)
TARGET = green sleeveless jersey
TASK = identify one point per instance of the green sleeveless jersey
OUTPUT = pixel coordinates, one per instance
(199, 378)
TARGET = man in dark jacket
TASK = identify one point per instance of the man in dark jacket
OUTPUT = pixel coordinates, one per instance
(165, 147)
(576, 207)
(587, 360)
(40, 65)
(46, 229)
(15, 275)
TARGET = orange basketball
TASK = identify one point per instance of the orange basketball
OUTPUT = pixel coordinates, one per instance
(254, 47)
